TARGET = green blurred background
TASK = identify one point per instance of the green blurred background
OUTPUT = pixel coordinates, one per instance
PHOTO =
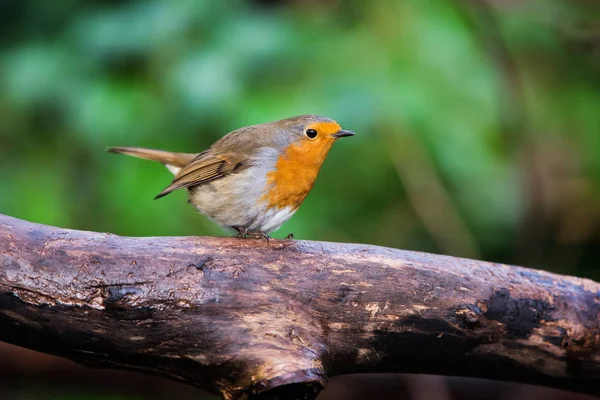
(477, 121)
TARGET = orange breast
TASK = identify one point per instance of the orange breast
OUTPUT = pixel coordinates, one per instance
(295, 173)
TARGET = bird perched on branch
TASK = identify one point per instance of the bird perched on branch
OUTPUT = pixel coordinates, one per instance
(254, 178)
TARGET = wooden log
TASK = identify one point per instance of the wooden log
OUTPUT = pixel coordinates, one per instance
(247, 319)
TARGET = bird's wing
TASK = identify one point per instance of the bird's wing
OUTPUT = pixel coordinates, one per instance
(205, 167)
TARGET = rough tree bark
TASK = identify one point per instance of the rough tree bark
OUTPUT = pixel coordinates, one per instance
(247, 319)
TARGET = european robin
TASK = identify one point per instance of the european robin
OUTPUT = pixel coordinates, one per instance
(254, 178)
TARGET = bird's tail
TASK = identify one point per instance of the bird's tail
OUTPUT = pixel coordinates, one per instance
(173, 161)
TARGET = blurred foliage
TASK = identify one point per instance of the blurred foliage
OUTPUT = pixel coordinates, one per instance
(478, 122)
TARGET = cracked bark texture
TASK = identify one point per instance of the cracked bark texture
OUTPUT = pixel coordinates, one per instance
(247, 319)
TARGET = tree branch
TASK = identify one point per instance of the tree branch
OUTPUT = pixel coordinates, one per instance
(244, 318)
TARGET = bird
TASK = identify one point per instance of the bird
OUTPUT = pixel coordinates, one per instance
(254, 178)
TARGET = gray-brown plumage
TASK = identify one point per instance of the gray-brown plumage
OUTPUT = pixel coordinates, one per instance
(248, 158)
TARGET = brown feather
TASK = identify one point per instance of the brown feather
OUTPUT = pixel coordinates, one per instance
(206, 167)
(165, 157)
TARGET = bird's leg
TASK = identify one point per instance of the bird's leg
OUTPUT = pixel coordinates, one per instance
(258, 235)
(289, 237)
(241, 231)
(264, 234)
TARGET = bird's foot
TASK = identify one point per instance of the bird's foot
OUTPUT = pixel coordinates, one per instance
(244, 233)
(259, 235)
(241, 232)
(263, 235)
(289, 237)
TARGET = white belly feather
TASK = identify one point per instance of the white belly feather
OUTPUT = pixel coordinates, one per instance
(271, 219)
(237, 199)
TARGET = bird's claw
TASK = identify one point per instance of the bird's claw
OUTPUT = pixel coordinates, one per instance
(243, 233)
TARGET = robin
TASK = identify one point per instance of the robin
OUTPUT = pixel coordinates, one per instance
(254, 178)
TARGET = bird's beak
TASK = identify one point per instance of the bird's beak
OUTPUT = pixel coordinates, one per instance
(343, 133)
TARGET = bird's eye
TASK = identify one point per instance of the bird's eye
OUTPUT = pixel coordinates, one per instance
(311, 133)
